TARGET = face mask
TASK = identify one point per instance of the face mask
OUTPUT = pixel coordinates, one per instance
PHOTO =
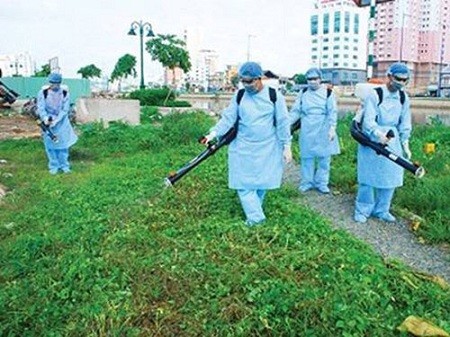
(398, 85)
(313, 84)
(55, 87)
(250, 88)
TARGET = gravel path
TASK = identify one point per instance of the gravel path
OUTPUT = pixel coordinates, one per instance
(394, 241)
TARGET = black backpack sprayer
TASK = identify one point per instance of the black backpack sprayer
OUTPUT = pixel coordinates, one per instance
(380, 149)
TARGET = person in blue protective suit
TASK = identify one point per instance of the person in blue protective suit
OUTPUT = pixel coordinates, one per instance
(53, 104)
(255, 156)
(378, 176)
(317, 110)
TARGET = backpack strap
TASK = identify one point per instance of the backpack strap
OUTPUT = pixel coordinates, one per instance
(329, 91)
(379, 91)
(239, 96)
(402, 96)
(45, 92)
(272, 94)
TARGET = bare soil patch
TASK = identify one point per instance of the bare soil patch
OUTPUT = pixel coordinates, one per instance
(17, 126)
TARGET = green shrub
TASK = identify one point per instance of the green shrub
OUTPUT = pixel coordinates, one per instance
(178, 104)
(155, 97)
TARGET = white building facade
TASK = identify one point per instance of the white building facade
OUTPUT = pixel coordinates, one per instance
(20, 64)
(339, 41)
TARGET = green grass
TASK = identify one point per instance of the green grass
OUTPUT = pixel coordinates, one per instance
(107, 251)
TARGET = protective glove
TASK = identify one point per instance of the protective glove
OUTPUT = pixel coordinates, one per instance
(332, 133)
(208, 138)
(382, 137)
(406, 149)
(47, 121)
(287, 154)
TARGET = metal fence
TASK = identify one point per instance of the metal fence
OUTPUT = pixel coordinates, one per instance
(28, 87)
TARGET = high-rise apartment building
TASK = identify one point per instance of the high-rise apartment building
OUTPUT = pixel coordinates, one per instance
(416, 32)
(339, 41)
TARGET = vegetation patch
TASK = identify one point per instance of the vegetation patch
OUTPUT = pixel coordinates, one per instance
(108, 251)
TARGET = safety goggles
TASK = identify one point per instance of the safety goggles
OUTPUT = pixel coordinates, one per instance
(312, 78)
(400, 79)
(248, 80)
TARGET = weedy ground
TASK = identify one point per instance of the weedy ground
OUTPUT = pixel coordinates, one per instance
(108, 251)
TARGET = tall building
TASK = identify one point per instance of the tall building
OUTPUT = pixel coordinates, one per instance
(415, 32)
(339, 40)
(204, 68)
(19, 64)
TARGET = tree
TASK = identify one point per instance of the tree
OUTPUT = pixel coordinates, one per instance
(125, 66)
(299, 79)
(89, 71)
(235, 81)
(170, 52)
(44, 72)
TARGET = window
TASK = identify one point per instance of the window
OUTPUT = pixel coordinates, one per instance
(314, 25)
(347, 22)
(356, 24)
(326, 23)
(337, 22)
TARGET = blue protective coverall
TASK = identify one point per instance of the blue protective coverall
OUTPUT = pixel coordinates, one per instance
(318, 113)
(255, 160)
(378, 176)
(57, 107)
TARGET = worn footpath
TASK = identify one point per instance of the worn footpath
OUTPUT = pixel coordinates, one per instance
(392, 241)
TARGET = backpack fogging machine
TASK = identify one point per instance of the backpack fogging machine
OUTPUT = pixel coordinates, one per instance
(7, 94)
(380, 149)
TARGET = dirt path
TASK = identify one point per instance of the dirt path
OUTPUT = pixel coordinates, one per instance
(392, 241)
(18, 126)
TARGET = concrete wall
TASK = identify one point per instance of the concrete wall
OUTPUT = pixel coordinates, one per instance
(108, 110)
(422, 110)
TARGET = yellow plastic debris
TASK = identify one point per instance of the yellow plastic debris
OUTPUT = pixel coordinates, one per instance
(421, 327)
(429, 148)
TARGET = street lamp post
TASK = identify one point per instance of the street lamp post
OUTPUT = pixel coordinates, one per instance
(440, 62)
(142, 27)
(248, 46)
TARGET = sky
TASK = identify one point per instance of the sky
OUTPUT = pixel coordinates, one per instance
(83, 32)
